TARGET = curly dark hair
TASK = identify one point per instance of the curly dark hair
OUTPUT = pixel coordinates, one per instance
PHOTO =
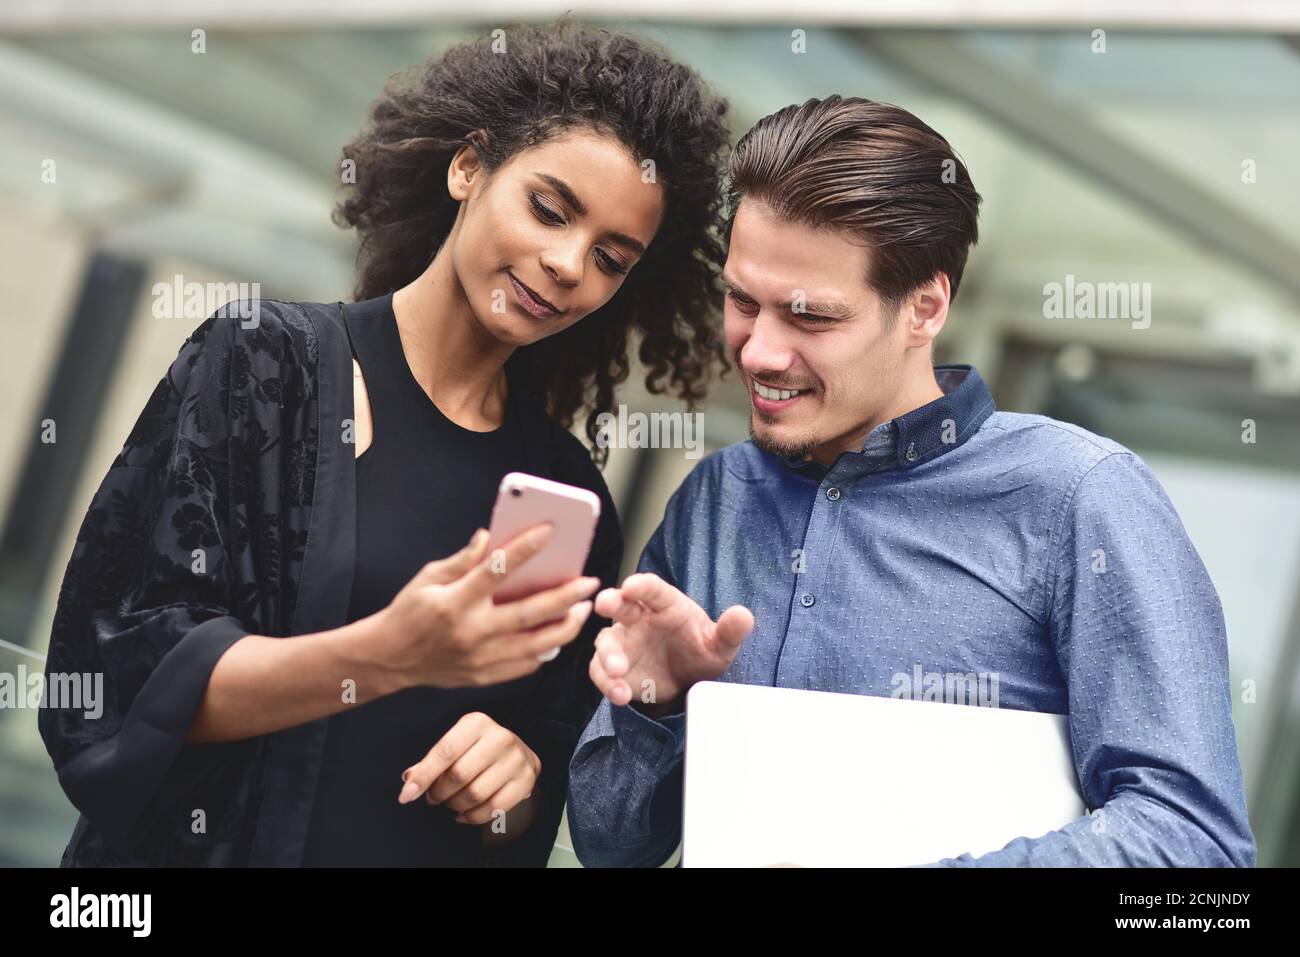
(552, 79)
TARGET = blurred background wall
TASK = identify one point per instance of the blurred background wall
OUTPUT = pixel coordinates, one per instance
(1113, 142)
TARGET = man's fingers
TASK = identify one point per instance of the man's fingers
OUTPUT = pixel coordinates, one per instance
(610, 650)
(734, 626)
(612, 604)
(500, 563)
(650, 590)
(618, 691)
(462, 736)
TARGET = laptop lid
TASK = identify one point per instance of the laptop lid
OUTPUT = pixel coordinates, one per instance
(788, 776)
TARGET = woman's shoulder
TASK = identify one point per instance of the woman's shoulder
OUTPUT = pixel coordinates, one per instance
(250, 322)
(295, 332)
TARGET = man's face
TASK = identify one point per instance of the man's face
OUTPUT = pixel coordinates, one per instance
(800, 316)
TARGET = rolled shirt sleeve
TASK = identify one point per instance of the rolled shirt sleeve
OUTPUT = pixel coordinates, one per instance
(625, 778)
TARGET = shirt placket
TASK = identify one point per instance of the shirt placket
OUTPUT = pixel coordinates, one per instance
(798, 649)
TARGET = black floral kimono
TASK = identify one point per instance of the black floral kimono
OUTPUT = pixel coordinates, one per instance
(231, 510)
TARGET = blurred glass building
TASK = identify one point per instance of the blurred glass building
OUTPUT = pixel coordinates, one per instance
(1135, 143)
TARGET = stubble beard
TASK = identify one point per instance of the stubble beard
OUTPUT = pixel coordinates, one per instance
(799, 449)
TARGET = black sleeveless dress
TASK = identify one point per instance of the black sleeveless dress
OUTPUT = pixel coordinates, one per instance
(423, 486)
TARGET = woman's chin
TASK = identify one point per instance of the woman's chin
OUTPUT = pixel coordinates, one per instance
(519, 328)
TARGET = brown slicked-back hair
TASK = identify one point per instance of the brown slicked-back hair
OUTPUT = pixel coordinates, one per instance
(871, 170)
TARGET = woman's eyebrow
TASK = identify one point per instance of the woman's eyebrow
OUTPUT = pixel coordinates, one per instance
(579, 207)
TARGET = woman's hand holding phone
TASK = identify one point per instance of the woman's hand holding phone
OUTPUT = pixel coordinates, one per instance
(444, 629)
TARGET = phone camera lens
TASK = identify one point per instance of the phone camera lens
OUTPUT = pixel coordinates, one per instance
(516, 492)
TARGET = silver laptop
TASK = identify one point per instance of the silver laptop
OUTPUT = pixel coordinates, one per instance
(778, 776)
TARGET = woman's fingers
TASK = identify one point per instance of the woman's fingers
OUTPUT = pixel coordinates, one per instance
(538, 642)
(508, 797)
(446, 570)
(469, 766)
(462, 736)
(508, 765)
(499, 563)
(541, 608)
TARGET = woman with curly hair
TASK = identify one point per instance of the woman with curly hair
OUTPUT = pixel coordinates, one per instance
(529, 206)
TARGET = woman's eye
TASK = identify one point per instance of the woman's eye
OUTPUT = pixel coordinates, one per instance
(544, 212)
(610, 263)
(548, 215)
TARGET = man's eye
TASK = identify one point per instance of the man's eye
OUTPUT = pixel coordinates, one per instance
(743, 303)
(544, 212)
(814, 319)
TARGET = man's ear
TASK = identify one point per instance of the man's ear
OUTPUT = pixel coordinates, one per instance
(927, 310)
(464, 171)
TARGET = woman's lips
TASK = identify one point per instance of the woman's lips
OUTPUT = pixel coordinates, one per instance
(533, 303)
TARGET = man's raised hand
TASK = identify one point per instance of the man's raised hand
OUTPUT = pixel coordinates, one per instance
(661, 642)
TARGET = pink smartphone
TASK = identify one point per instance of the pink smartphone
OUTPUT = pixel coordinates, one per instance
(524, 501)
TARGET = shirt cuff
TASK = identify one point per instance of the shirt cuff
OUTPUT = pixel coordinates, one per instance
(655, 741)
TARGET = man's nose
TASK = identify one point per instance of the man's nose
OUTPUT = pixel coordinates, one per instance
(766, 350)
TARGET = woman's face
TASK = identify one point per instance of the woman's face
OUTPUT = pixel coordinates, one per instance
(551, 234)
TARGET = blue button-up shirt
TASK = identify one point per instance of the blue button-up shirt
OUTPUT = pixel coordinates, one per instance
(1044, 559)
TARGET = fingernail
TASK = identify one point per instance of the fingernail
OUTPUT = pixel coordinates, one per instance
(584, 608)
(409, 792)
(541, 535)
(460, 819)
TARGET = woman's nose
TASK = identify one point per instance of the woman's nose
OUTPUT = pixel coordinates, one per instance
(564, 263)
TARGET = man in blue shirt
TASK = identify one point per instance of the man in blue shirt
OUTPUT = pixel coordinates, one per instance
(885, 521)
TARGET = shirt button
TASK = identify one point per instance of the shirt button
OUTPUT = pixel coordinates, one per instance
(911, 452)
(807, 601)
(833, 494)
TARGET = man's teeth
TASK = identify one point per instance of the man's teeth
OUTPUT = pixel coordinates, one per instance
(767, 393)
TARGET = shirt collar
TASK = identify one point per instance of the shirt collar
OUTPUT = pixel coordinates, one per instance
(923, 434)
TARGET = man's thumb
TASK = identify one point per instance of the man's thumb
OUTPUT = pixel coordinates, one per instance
(734, 626)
